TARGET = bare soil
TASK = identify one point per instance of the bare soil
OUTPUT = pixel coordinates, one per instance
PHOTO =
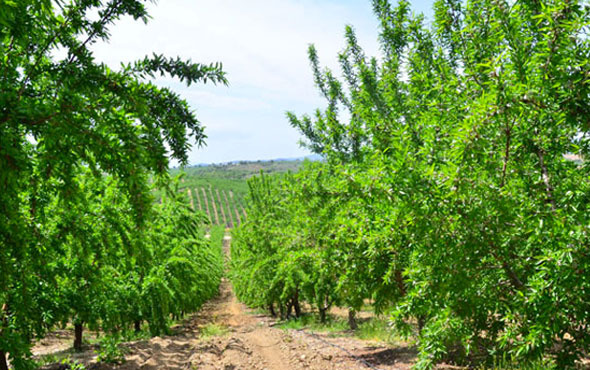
(247, 341)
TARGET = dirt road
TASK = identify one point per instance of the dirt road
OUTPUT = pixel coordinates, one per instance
(243, 340)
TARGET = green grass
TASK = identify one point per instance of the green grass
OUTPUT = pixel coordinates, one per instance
(47, 359)
(216, 234)
(213, 330)
(131, 335)
(63, 357)
(374, 329)
(333, 325)
(377, 329)
(509, 364)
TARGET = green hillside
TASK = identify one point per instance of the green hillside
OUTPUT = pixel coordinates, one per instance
(220, 190)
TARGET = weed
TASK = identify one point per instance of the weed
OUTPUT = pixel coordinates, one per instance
(110, 351)
(73, 365)
(377, 329)
(213, 330)
(311, 322)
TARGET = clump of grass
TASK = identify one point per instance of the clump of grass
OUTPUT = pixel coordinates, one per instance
(311, 322)
(73, 365)
(65, 360)
(110, 350)
(507, 363)
(373, 329)
(258, 311)
(376, 329)
(213, 330)
(132, 335)
(47, 360)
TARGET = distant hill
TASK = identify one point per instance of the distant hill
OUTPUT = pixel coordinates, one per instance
(311, 157)
(241, 169)
(219, 190)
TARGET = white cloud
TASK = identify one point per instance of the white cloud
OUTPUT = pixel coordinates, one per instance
(223, 100)
(263, 47)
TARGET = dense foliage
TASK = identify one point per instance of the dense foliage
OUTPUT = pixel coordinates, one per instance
(448, 195)
(112, 273)
(81, 238)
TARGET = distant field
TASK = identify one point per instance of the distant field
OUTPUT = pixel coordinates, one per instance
(220, 190)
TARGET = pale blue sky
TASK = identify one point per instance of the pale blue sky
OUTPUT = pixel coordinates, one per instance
(263, 47)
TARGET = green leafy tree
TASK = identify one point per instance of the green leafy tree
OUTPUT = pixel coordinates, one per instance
(181, 268)
(468, 215)
(255, 249)
(62, 111)
(86, 238)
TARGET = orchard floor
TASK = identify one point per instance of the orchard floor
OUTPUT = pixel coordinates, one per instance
(244, 341)
(226, 335)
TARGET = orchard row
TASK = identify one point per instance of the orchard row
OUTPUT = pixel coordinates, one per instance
(447, 197)
(220, 206)
(82, 146)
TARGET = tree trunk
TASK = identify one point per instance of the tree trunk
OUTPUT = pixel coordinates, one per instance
(546, 179)
(271, 308)
(296, 304)
(352, 319)
(323, 315)
(3, 363)
(137, 325)
(78, 328)
(4, 313)
(399, 280)
(421, 323)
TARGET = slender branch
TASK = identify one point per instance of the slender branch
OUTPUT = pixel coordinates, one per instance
(506, 153)
(546, 179)
(39, 55)
(514, 279)
(103, 21)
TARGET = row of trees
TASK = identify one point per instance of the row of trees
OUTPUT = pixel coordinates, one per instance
(81, 237)
(448, 195)
(110, 273)
(221, 207)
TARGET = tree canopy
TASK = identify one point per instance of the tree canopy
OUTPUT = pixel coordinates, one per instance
(73, 132)
(447, 191)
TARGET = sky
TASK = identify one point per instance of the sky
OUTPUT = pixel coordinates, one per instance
(262, 45)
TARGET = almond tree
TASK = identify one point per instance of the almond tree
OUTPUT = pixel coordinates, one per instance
(61, 113)
(468, 123)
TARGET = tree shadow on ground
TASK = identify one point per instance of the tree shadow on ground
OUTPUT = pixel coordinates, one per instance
(389, 356)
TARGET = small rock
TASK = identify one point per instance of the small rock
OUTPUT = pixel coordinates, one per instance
(302, 358)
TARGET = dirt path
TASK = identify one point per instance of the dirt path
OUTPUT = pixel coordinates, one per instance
(243, 340)
(250, 341)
